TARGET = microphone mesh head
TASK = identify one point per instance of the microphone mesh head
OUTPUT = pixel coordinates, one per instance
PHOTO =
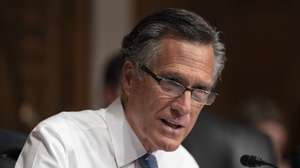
(249, 161)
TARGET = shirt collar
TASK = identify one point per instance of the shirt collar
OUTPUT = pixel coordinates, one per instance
(126, 144)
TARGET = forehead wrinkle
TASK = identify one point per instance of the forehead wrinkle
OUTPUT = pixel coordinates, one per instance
(191, 60)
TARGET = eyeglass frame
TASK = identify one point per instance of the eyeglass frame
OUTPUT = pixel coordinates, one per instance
(211, 95)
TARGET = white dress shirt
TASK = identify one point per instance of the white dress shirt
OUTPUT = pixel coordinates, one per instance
(92, 139)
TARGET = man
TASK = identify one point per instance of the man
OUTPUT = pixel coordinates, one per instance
(172, 61)
(111, 79)
(216, 143)
(219, 143)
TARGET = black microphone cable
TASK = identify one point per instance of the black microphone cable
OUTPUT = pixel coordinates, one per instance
(254, 161)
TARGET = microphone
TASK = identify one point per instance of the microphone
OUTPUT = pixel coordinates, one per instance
(254, 161)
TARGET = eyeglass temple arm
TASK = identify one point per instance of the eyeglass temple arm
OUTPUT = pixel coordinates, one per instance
(147, 70)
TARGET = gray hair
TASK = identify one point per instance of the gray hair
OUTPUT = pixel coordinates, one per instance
(143, 42)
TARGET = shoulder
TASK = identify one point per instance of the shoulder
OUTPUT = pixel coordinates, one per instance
(66, 126)
(249, 135)
(248, 140)
(180, 158)
(86, 119)
(63, 137)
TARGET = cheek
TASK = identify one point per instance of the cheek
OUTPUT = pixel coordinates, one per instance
(153, 97)
(146, 98)
(194, 116)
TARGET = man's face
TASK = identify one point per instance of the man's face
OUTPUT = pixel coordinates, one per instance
(160, 121)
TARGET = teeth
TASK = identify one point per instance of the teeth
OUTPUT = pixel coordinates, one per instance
(170, 124)
(170, 121)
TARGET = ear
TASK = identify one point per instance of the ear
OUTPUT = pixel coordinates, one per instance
(128, 77)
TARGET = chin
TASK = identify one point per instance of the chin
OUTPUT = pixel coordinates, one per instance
(164, 141)
(169, 145)
(170, 148)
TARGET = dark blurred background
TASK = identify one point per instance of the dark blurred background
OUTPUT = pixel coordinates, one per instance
(52, 54)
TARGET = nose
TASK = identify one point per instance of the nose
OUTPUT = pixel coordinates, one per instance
(183, 103)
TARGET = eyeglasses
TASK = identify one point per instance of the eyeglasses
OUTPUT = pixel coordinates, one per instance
(176, 89)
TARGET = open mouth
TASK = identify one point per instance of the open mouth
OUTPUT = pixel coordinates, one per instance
(171, 124)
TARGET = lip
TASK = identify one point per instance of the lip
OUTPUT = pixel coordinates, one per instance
(174, 124)
(169, 130)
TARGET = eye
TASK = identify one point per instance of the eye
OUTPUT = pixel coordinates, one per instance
(173, 79)
(171, 87)
(170, 84)
(200, 95)
(202, 91)
(169, 77)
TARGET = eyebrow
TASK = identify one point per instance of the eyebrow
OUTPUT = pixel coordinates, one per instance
(201, 86)
(178, 78)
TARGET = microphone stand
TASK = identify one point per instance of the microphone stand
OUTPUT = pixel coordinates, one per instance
(269, 164)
